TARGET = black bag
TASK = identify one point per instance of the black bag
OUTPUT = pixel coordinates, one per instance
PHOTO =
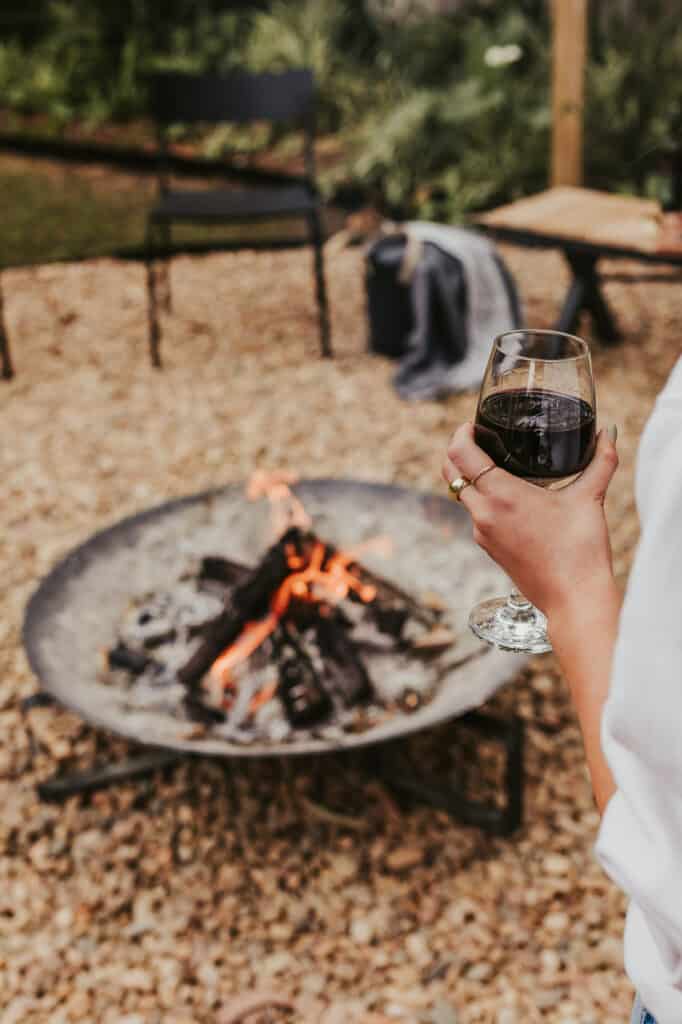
(394, 308)
(389, 305)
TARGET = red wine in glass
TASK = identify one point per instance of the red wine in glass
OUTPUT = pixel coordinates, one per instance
(544, 436)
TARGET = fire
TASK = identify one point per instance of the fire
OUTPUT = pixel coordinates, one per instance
(286, 509)
(323, 579)
(321, 575)
(265, 694)
(251, 637)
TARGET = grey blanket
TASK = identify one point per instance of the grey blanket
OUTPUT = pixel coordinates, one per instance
(462, 297)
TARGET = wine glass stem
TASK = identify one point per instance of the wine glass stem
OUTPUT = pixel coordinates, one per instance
(511, 623)
(517, 601)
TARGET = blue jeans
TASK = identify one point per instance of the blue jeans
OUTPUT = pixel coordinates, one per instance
(640, 1015)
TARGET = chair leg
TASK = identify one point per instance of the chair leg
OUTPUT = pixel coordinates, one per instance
(325, 332)
(7, 368)
(152, 303)
(165, 235)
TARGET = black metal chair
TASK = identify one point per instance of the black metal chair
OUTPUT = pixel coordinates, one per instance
(239, 97)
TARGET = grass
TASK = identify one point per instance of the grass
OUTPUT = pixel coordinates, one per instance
(53, 212)
(60, 216)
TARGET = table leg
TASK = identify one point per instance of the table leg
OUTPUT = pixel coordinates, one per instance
(584, 293)
(5, 358)
(573, 303)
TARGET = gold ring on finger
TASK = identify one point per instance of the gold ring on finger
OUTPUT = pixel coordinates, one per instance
(457, 485)
(482, 472)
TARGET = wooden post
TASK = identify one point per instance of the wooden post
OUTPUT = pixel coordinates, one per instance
(568, 85)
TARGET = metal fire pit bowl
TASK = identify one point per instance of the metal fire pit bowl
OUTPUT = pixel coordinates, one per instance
(75, 611)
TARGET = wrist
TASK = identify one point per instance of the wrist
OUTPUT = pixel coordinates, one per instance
(592, 603)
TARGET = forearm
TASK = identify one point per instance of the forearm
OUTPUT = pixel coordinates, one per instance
(583, 634)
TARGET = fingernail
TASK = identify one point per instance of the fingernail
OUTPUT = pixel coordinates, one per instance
(612, 433)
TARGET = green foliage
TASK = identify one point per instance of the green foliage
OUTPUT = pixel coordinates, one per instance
(305, 34)
(70, 72)
(91, 59)
(634, 109)
(437, 115)
(467, 134)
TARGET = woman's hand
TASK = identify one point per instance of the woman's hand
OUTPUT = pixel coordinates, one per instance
(553, 544)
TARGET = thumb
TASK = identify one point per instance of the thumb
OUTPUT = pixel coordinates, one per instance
(597, 477)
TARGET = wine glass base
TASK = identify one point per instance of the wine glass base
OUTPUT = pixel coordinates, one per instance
(509, 628)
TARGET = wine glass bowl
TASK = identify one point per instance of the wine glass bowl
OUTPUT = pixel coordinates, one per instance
(536, 419)
(536, 413)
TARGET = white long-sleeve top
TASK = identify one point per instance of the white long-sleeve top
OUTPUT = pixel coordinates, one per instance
(640, 840)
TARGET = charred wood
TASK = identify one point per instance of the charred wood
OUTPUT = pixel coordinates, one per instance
(218, 634)
(248, 601)
(256, 592)
(391, 595)
(304, 698)
(223, 570)
(389, 618)
(135, 662)
(199, 711)
(343, 660)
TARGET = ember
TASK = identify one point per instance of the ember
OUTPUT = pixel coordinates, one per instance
(264, 652)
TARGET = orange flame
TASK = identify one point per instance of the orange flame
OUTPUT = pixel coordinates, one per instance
(286, 509)
(314, 582)
(251, 637)
(265, 694)
(310, 579)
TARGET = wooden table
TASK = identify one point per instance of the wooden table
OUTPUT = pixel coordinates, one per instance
(588, 225)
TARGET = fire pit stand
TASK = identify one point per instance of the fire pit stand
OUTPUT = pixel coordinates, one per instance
(400, 772)
(75, 613)
(392, 763)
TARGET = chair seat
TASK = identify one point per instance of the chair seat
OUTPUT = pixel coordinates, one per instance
(234, 204)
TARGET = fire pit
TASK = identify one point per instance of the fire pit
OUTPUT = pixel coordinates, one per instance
(81, 611)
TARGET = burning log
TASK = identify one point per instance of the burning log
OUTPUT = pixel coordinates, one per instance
(248, 602)
(219, 633)
(299, 582)
(389, 618)
(201, 712)
(304, 698)
(393, 602)
(342, 659)
(223, 570)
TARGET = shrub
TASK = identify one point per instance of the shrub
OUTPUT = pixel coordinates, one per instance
(440, 143)
(436, 114)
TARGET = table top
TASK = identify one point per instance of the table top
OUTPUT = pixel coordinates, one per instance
(605, 222)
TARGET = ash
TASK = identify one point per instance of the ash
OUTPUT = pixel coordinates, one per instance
(164, 629)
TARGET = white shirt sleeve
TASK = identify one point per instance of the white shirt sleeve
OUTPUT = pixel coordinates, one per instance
(640, 840)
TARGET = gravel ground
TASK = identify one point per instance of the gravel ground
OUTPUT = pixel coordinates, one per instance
(156, 902)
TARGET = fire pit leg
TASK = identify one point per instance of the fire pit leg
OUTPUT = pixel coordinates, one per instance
(60, 787)
(398, 771)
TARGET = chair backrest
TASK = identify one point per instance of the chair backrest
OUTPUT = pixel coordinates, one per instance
(237, 97)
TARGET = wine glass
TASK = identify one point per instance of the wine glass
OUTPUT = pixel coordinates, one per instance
(536, 419)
